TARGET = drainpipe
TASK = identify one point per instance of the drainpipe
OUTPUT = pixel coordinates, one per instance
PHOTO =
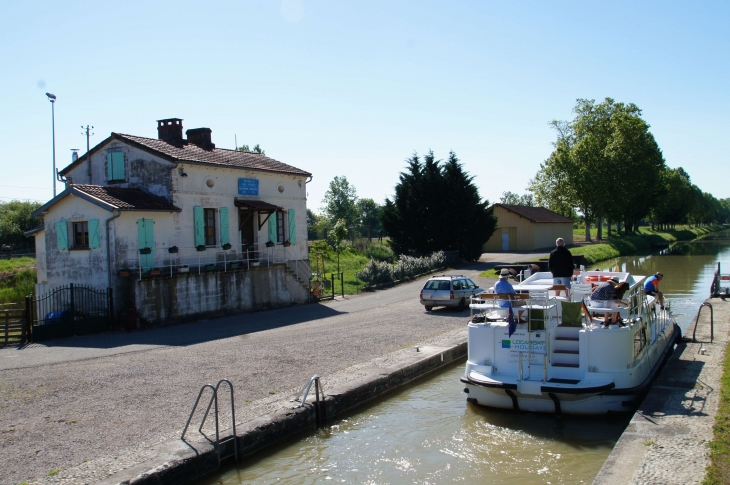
(108, 245)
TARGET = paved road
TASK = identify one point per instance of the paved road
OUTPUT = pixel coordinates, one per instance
(94, 405)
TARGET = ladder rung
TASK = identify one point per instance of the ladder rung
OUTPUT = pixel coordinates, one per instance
(566, 351)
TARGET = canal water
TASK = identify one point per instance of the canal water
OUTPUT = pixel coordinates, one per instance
(429, 434)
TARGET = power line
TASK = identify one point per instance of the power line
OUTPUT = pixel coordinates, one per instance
(22, 187)
(22, 200)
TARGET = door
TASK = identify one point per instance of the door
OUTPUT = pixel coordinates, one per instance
(247, 231)
(505, 241)
(146, 241)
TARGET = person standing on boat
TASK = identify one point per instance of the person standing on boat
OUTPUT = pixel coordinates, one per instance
(504, 287)
(651, 287)
(561, 264)
(611, 292)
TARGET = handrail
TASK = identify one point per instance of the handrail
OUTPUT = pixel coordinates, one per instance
(712, 322)
(214, 399)
(320, 411)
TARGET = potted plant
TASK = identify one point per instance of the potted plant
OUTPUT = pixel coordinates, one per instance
(125, 272)
(209, 267)
(287, 243)
(200, 247)
(234, 265)
(270, 244)
(173, 249)
(154, 272)
(145, 251)
(226, 246)
(183, 268)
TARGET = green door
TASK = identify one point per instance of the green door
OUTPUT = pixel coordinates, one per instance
(146, 238)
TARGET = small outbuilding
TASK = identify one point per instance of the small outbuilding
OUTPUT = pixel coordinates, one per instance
(524, 228)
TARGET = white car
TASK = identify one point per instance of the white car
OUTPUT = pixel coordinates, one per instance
(446, 290)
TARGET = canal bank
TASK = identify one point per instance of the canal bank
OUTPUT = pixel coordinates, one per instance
(667, 439)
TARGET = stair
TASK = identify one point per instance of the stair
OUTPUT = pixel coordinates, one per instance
(566, 349)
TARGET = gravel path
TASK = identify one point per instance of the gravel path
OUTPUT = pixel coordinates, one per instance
(77, 410)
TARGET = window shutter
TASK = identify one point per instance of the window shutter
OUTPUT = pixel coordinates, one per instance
(118, 165)
(146, 239)
(223, 211)
(94, 241)
(273, 236)
(199, 215)
(292, 227)
(62, 234)
(109, 167)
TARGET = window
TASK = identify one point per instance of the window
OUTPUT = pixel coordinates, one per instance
(210, 227)
(115, 166)
(280, 227)
(80, 234)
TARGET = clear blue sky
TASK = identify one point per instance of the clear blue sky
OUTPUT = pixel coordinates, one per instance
(354, 88)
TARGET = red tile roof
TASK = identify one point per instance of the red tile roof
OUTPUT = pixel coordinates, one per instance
(125, 198)
(535, 214)
(217, 156)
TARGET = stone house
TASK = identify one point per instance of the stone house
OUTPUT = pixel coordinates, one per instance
(177, 227)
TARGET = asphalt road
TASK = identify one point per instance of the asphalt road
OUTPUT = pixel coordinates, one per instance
(90, 406)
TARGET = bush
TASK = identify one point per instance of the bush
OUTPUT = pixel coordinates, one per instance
(376, 272)
(380, 252)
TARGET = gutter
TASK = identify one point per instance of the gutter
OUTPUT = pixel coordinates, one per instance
(108, 245)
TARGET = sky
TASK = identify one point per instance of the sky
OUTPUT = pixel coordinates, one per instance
(355, 88)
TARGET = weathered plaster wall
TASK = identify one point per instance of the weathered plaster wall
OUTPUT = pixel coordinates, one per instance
(40, 256)
(84, 266)
(188, 296)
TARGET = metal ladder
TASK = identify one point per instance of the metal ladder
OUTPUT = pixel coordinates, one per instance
(214, 400)
(712, 321)
(319, 406)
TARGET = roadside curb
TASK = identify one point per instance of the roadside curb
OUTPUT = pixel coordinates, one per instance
(177, 462)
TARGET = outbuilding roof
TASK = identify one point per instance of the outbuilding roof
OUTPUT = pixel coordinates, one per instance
(183, 151)
(536, 214)
(113, 198)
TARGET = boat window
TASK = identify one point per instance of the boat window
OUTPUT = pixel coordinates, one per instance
(640, 340)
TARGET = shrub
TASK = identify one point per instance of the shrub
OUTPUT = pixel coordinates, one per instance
(379, 252)
(376, 272)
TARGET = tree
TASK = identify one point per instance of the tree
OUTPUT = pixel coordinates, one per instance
(15, 219)
(513, 199)
(340, 202)
(339, 235)
(255, 149)
(369, 212)
(437, 207)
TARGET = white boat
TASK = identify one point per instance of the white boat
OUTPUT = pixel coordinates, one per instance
(557, 362)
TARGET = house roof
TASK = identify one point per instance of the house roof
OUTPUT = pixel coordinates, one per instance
(536, 214)
(34, 231)
(113, 198)
(191, 153)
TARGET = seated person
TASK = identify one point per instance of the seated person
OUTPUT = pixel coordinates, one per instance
(611, 292)
(504, 287)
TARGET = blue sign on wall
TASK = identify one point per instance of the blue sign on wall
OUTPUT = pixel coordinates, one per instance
(248, 187)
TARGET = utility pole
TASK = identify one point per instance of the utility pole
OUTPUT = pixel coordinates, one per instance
(86, 132)
(52, 99)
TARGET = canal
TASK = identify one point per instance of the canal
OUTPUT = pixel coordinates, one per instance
(429, 434)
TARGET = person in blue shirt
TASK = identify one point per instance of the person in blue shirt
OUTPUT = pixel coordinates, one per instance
(504, 287)
(651, 287)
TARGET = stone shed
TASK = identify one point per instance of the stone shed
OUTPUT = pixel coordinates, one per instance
(524, 228)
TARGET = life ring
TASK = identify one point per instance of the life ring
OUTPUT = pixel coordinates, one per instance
(597, 278)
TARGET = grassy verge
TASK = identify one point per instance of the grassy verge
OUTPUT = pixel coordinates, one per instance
(719, 470)
(351, 261)
(17, 279)
(626, 245)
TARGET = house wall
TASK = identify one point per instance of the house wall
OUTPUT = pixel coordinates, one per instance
(212, 294)
(520, 230)
(40, 256)
(547, 233)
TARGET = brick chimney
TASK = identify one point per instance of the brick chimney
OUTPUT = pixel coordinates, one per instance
(170, 130)
(201, 138)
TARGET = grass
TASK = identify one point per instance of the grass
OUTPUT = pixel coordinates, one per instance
(351, 261)
(625, 245)
(719, 470)
(17, 279)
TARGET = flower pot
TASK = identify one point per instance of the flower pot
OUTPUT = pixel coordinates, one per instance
(173, 249)
(154, 272)
(145, 251)
(183, 269)
(270, 244)
(209, 267)
(226, 246)
(125, 272)
(234, 265)
(200, 248)
(287, 244)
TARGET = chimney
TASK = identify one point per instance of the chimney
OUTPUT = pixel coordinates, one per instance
(200, 137)
(170, 130)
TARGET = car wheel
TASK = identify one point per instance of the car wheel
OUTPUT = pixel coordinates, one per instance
(462, 305)
(429, 308)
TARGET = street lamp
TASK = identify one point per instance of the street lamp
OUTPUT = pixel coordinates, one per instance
(52, 99)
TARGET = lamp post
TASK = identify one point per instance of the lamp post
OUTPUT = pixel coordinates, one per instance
(52, 99)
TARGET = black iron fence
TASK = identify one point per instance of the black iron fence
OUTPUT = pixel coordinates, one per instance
(69, 310)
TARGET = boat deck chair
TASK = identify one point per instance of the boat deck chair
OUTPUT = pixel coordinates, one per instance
(572, 313)
(579, 291)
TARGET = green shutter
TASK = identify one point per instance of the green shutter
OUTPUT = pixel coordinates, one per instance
(62, 234)
(273, 236)
(146, 239)
(118, 165)
(199, 225)
(94, 241)
(109, 167)
(225, 239)
(292, 227)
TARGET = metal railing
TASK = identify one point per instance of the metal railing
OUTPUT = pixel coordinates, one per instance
(712, 321)
(319, 408)
(214, 402)
(168, 261)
